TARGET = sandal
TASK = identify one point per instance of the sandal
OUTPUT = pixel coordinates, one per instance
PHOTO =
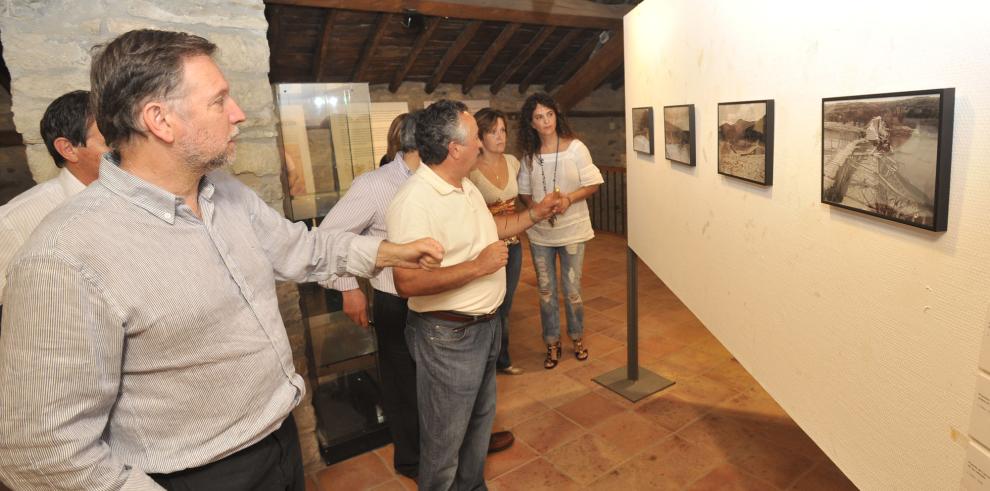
(553, 355)
(580, 352)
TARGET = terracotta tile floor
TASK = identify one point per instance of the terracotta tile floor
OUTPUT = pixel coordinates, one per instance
(716, 428)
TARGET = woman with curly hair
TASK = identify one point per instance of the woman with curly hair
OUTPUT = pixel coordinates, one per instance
(556, 161)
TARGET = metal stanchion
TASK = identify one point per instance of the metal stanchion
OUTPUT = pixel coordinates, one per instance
(629, 381)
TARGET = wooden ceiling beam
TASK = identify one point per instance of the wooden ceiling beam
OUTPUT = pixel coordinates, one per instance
(573, 64)
(274, 31)
(563, 13)
(618, 78)
(421, 40)
(10, 138)
(604, 62)
(462, 40)
(323, 50)
(521, 60)
(503, 38)
(367, 54)
(552, 55)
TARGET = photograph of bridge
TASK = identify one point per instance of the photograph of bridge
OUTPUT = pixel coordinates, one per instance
(678, 133)
(745, 140)
(881, 155)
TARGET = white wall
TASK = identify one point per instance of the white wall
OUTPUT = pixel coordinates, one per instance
(866, 331)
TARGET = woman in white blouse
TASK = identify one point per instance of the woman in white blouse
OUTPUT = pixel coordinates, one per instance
(495, 176)
(555, 160)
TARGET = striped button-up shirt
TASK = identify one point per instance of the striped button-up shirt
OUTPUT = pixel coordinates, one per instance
(21, 215)
(362, 211)
(139, 338)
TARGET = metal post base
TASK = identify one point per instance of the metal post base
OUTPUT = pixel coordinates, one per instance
(634, 390)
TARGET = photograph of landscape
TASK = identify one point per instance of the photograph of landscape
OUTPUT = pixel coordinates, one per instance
(745, 140)
(881, 155)
(678, 133)
(642, 126)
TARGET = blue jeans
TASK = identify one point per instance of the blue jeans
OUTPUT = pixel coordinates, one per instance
(455, 388)
(513, 268)
(545, 264)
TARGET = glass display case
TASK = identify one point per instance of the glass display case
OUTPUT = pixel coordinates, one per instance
(326, 142)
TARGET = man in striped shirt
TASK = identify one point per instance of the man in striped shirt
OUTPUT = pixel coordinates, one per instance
(143, 346)
(75, 144)
(362, 211)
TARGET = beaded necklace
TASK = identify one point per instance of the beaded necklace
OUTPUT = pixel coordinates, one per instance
(539, 159)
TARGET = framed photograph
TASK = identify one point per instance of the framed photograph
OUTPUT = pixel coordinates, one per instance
(745, 140)
(678, 133)
(642, 126)
(888, 155)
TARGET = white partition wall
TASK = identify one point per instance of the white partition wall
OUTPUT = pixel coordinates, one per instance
(866, 331)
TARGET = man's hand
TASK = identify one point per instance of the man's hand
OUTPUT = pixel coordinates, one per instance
(549, 206)
(356, 306)
(493, 257)
(423, 253)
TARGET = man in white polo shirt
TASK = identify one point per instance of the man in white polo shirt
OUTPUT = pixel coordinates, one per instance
(453, 329)
(75, 143)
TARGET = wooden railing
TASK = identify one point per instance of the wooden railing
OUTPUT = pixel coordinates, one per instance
(608, 205)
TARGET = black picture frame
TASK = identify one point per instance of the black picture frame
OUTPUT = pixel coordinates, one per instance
(674, 134)
(746, 132)
(642, 119)
(889, 155)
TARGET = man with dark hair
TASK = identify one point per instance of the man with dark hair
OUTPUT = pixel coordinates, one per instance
(75, 143)
(453, 327)
(143, 344)
(362, 211)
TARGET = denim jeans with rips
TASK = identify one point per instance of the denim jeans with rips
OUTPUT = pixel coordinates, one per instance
(545, 264)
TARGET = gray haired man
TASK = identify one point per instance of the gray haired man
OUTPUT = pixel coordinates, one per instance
(453, 327)
(142, 344)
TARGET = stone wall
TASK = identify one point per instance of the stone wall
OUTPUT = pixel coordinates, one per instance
(604, 135)
(47, 50)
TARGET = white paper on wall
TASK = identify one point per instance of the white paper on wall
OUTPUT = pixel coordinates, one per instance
(976, 475)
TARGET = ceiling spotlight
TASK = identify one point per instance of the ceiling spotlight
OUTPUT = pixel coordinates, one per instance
(412, 21)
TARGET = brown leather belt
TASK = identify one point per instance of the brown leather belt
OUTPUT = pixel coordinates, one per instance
(450, 315)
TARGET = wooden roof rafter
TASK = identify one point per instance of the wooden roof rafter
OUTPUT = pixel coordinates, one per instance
(596, 70)
(421, 40)
(553, 54)
(503, 39)
(376, 43)
(563, 13)
(370, 46)
(523, 57)
(323, 51)
(462, 40)
(572, 65)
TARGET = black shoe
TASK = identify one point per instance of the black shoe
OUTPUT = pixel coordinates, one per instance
(500, 440)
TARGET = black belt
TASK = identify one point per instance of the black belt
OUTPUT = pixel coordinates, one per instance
(452, 316)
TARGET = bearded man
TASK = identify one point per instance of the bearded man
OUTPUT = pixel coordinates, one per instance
(142, 343)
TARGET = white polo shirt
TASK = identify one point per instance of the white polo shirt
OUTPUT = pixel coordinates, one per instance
(20, 216)
(428, 206)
